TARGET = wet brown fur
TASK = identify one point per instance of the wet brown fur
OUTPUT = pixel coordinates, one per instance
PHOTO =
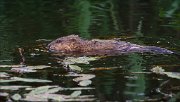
(75, 43)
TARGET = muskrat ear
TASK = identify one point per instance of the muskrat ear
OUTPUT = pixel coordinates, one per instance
(73, 39)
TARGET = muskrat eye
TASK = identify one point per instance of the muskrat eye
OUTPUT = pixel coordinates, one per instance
(72, 39)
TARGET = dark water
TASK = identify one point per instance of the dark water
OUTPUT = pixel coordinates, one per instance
(31, 24)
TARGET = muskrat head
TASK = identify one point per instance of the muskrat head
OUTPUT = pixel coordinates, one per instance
(65, 44)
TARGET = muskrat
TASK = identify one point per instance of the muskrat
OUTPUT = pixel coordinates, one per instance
(75, 44)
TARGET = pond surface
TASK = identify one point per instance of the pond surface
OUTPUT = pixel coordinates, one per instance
(28, 72)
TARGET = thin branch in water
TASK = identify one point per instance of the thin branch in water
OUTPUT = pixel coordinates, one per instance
(22, 62)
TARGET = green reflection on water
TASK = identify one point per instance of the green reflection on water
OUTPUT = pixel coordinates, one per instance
(23, 22)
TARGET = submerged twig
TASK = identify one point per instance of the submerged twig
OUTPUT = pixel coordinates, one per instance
(21, 50)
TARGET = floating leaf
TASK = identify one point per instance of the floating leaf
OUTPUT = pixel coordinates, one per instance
(38, 67)
(85, 82)
(29, 80)
(76, 94)
(79, 88)
(4, 75)
(42, 90)
(82, 60)
(6, 81)
(4, 94)
(84, 77)
(16, 97)
(173, 74)
(55, 97)
(23, 70)
(13, 87)
(75, 68)
(28, 69)
(9, 66)
(105, 68)
(157, 70)
(35, 98)
(43, 93)
(20, 66)
(54, 90)
(101, 68)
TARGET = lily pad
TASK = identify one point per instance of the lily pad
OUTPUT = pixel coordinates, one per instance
(35, 98)
(56, 97)
(16, 97)
(159, 70)
(4, 75)
(9, 66)
(173, 74)
(84, 77)
(29, 80)
(4, 94)
(38, 67)
(23, 70)
(44, 97)
(75, 68)
(28, 69)
(82, 60)
(6, 80)
(79, 88)
(45, 89)
(76, 94)
(85, 82)
(43, 93)
(13, 87)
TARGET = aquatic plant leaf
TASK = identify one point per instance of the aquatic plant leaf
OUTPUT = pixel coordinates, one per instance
(41, 90)
(79, 88)
(101, 68)
(75, 68)
(56, 97)
(84, 77)
(173, 74)
(28, 69)
(16, 97)
(9, 66)
(6, 81)
(43, 93)
(44, 97)
(158, 70)
(38, 67)
(29, 80)
(4, 94)
(35, 98)
(82, 60)
(85, 82)
(4, 75)
(76, 94)
(23, 70)
(54, 90)
(13, 87)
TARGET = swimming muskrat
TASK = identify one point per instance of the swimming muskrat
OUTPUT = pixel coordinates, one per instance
(75, 44)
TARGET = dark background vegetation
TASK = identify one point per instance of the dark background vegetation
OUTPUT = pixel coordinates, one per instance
(22, 22)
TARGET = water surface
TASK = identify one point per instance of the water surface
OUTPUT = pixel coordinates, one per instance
(32, 24)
